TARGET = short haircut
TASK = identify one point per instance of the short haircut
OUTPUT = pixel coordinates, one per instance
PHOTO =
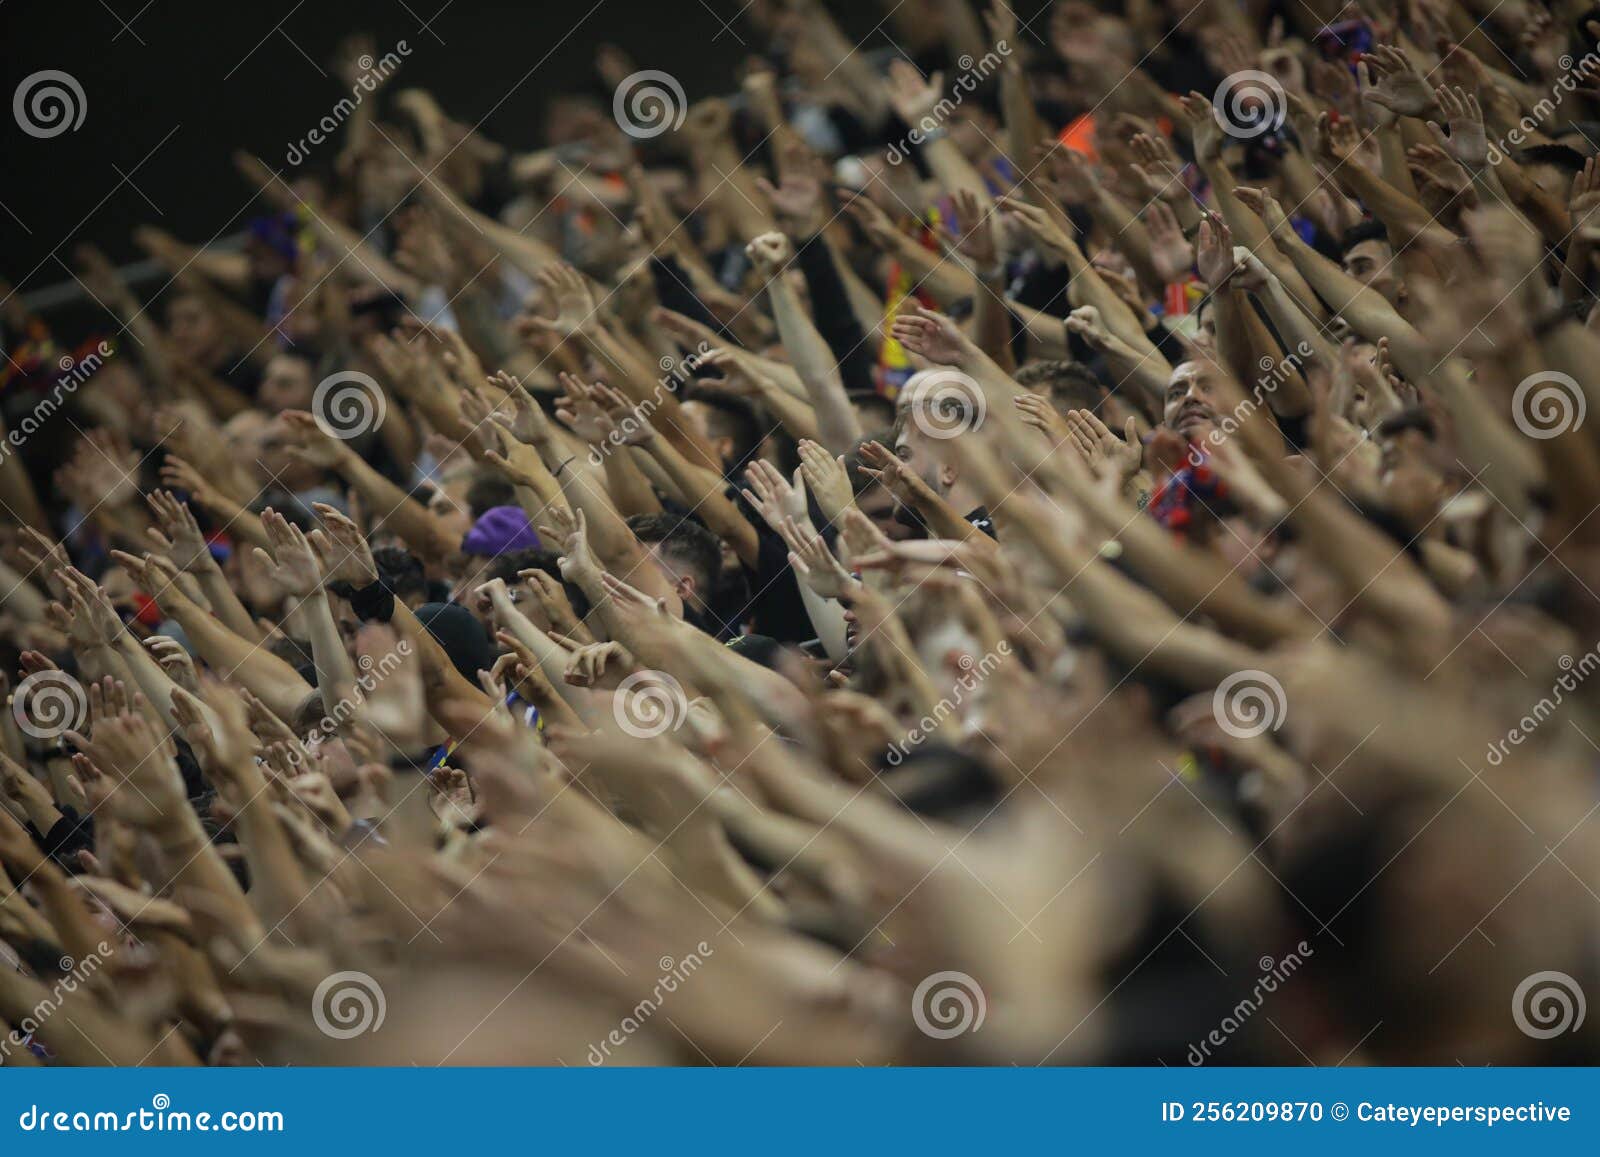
(1071, 385)
(1366, 231)
(487, 491)
(732, 418)
(1564, 157)
(685, 542)
(505, 566)
(400, 571)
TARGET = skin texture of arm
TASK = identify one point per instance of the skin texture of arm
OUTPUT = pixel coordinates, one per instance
(441, 682)
(637, 380)
(394, 509)
(616, 547)
(836, 418)
(703, 492)
(268, 677)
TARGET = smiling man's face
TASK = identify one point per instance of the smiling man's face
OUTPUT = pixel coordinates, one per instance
(1188, 407)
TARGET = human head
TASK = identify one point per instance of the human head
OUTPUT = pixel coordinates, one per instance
(728, 423)
(1187, 408)
(288, 382)
(194, 329)
(1367, 256)
(688, 554)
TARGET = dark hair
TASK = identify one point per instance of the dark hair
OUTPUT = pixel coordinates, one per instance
(730, 417)
(1071, 385)
(1564, 157)
(1366, 231)
(686, 542)
(505, 566)
(487, 491)
(400, 571)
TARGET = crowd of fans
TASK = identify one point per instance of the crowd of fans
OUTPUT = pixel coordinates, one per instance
(985, 547)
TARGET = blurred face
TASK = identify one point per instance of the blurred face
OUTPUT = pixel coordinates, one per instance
(120, 589)
(279, 461)
(449, 502)
(879, 505)
(1372, 264)
(1206, 336)
(286, 385)
(700, 414)
(194, 330)
(1412, 486)
(1188, 408)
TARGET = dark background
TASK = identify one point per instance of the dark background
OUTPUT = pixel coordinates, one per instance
(164, 85)
(165, 113)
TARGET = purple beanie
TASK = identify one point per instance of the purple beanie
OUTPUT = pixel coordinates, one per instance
(499, 530)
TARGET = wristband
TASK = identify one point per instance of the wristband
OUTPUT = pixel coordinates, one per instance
(373, 603)
(557, 471)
